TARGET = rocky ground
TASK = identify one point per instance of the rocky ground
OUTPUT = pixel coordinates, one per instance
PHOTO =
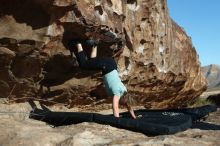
(17, 129)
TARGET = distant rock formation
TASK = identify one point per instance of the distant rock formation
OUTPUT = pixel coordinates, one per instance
(212, 74)
(158, 62)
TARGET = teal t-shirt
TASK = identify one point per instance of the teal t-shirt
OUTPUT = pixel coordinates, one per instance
(113, 84)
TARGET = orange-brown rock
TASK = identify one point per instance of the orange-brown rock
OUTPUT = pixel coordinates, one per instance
(158, 62)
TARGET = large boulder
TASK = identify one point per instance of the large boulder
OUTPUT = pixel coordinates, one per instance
(6, 76)
(158, 62)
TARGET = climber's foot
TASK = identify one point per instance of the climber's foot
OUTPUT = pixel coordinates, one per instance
(92, 42)
(74, 42)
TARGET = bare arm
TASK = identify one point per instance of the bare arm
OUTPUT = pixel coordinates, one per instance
(115, 108)
(131, 111)
(115, 104)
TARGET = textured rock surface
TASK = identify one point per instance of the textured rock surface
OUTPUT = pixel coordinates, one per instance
(158, 64)
(17, 129)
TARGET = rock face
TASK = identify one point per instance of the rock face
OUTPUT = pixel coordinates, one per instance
(212, 74)
(158, 62)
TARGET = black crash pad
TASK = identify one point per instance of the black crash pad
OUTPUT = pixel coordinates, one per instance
(150, 122)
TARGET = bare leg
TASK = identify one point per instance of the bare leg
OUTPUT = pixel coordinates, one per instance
(94, 52)
(79, 47)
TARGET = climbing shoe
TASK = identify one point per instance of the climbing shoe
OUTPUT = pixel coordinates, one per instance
(74, 42)
(91, 43)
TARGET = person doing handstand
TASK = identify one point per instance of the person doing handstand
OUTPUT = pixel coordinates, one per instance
(112, 82)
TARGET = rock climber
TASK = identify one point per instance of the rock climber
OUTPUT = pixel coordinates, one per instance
(112, 82)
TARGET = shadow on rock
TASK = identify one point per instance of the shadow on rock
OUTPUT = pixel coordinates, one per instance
(215, 99)
(206, 126)
(34, 13)
(59, 69)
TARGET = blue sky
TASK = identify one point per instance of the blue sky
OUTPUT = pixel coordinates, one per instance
(201, 21)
